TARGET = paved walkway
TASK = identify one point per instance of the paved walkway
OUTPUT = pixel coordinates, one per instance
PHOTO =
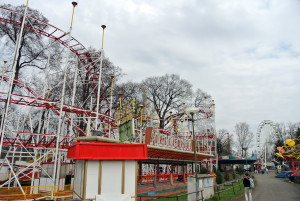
(274, 189)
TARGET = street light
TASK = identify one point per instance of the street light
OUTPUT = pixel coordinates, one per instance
(266, 149)
(192, 111)
(245, 149)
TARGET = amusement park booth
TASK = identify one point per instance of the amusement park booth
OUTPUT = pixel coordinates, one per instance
(106, 171)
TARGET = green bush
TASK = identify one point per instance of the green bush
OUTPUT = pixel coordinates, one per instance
(214, 169)
(219, 178)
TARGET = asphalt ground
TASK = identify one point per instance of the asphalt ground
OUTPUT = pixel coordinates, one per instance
(269, 188)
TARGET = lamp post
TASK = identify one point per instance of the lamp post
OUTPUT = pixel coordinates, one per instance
(266, 150)
(245, 149)
(121, 94)
(192, 111)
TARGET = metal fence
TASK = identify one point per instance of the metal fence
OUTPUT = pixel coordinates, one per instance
(180, 197)
(234, 186)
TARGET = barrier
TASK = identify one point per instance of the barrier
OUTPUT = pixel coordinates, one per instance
(146, 180)
(150, 179)
(163, 140)
(35, 192)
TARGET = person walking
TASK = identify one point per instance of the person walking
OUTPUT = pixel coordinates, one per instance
(248, 189)
(267, 170)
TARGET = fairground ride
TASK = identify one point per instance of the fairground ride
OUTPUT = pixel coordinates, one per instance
(266, 137)
(291, 152)
(38, 148)
(39, 123)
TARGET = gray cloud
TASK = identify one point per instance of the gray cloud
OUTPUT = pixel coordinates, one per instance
(244, 53)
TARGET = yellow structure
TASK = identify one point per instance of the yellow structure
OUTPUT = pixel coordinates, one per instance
(291, 151)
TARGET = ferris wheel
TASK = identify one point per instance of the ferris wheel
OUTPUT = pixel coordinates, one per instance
(265, 137)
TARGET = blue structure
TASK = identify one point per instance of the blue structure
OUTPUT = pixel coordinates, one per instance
(247, 161)
(284, 174)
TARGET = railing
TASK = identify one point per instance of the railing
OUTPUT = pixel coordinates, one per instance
(232, 186)
(36, 192)
(181, 197)
(169, 141)
(152, 179)
(159, 139)
(180, 143)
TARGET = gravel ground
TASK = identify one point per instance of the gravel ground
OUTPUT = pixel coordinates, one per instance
(269, 188)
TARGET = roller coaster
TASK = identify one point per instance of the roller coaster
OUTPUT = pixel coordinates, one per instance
(36, 130)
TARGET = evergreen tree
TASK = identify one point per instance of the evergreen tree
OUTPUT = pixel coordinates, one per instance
(219, 178)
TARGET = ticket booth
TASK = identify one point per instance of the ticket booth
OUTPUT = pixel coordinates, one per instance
(205, 186)
(106, 171)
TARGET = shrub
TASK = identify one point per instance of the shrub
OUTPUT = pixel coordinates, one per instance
(226, 175)
(214, 169)
(219, 178)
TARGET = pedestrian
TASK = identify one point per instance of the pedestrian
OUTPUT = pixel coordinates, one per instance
(267, 170)
(248, 190)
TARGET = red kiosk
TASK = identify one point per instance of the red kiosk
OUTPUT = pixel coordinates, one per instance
(106, 171)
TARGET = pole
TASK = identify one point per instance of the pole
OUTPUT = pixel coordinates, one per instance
(265, 155)
(111, 99)
(195, 157)
(141, 117)
(246, 163)
(245, 153)
(215, 134)
(66, 62)
(99, 79)
(11, 79)
(73, 96)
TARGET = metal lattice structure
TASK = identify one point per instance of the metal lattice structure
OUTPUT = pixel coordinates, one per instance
(265, 137)
(38, 130)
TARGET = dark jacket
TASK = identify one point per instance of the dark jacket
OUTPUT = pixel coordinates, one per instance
(246, 182)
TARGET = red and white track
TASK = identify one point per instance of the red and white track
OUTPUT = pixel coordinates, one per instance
(87, 60)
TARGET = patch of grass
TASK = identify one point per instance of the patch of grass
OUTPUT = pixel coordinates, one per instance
(172, 198)
(228, 194)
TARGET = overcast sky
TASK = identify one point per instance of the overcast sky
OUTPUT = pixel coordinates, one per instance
(245, 53)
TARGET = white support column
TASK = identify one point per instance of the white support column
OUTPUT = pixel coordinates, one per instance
(66, 63)
(99, 79)
(11, 80)
(15, 176)
(73, 95)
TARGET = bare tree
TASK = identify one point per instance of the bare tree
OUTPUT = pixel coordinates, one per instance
(166, 93)
(244, 137)
(201, 97)
(87, 88)
(281, 132)
(129, 90)
(226, 141)
(292, 129)
(33, 49)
